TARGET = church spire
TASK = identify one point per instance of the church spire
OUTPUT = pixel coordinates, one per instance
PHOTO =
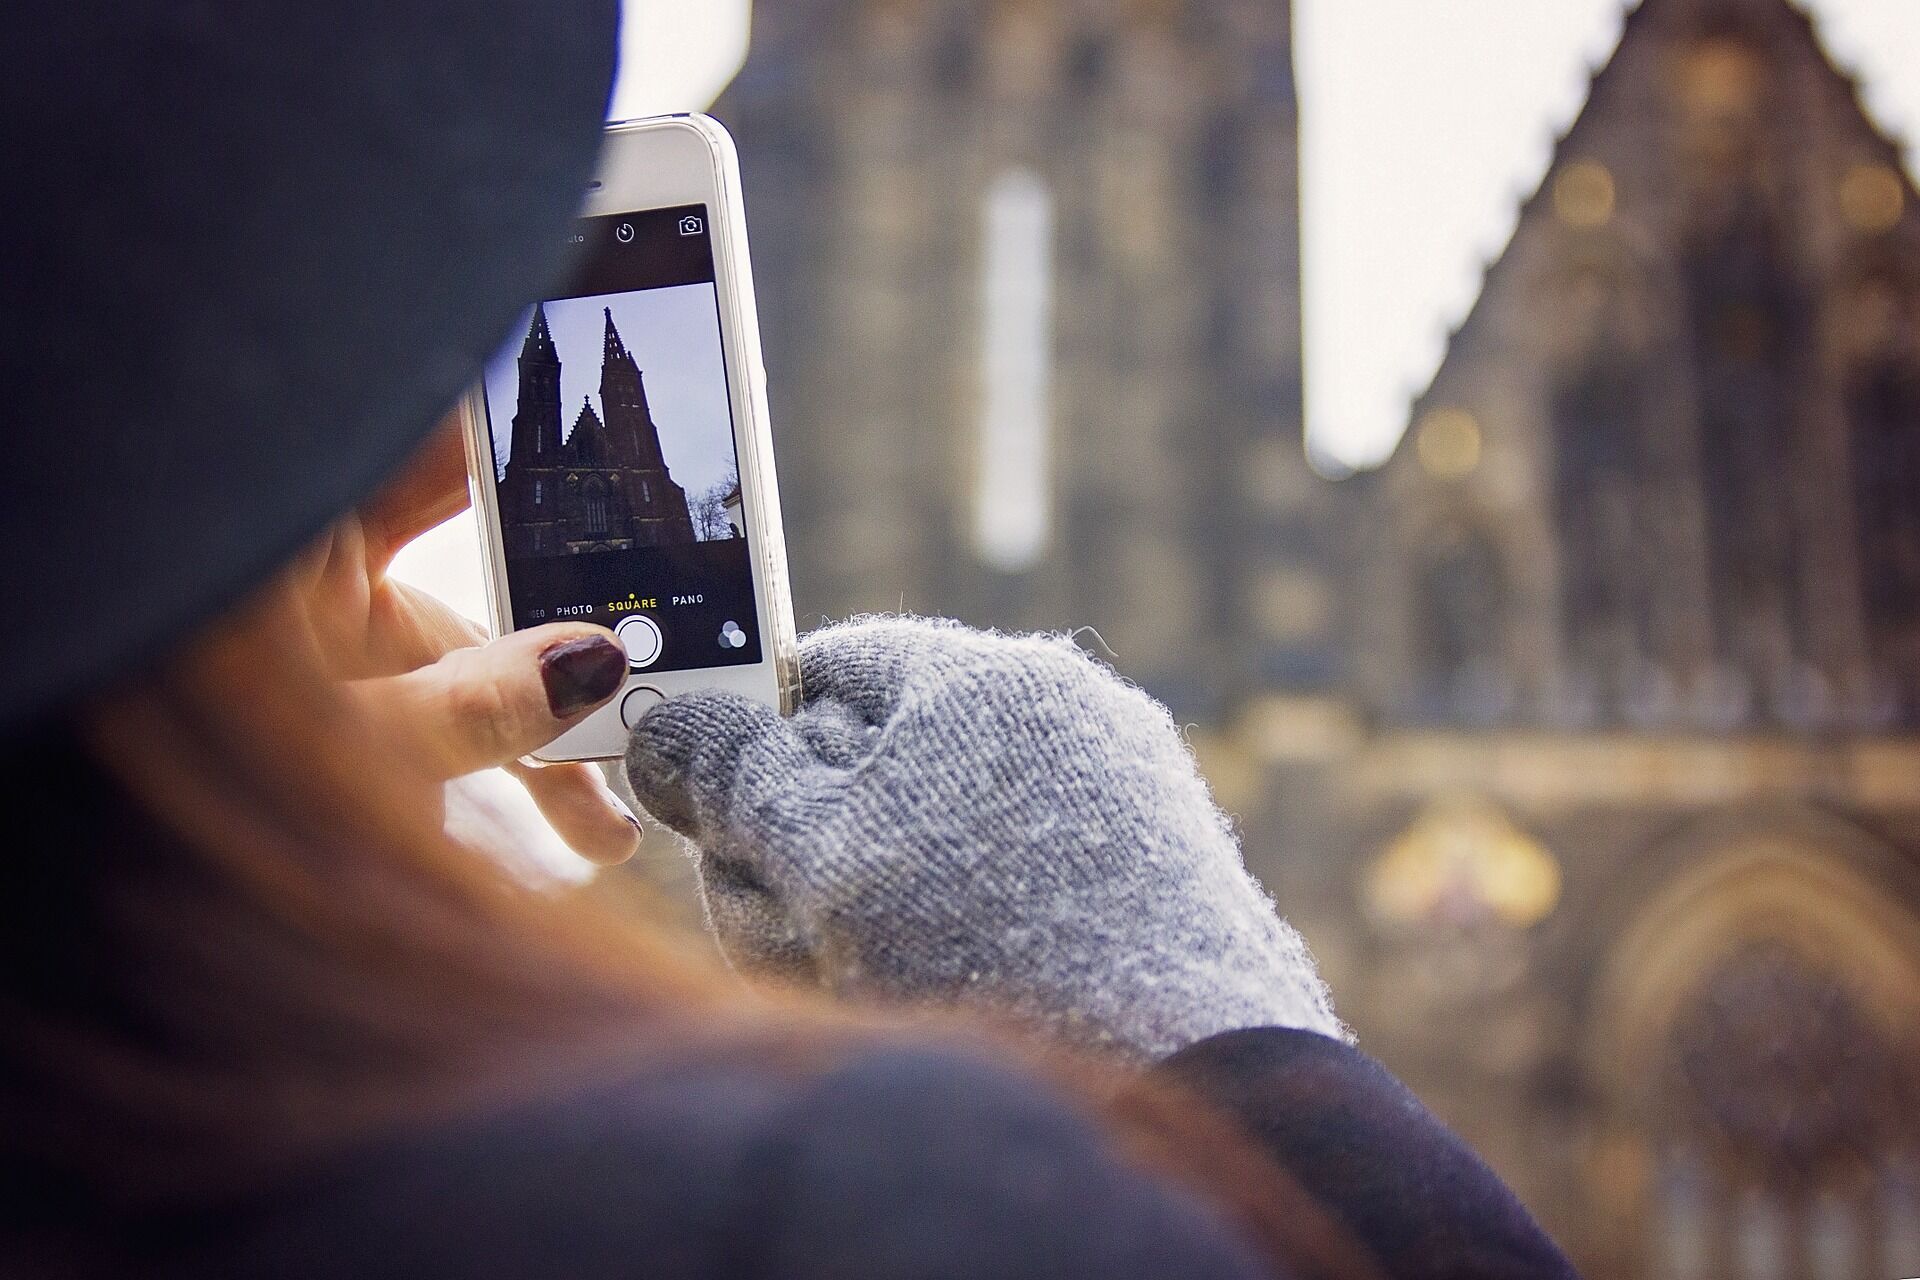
(536, 417)
(615, 348)
(539, 343)
(633, 437)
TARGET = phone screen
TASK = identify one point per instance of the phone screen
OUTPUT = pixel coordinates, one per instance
(614, 460)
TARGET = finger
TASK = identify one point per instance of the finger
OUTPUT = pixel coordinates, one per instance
(754, 933)
(864, 663)
(489, 705)
(836, 734)
(407, 628)
(698, 760)
(430, 490)
(577, 802)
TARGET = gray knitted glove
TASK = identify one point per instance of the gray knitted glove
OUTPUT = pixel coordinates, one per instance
(968, 818)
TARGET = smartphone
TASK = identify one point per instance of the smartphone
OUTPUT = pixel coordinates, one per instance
(619, 448)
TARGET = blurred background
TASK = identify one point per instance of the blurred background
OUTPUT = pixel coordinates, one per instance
(1494, 428)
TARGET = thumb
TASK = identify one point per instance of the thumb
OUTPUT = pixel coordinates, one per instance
(684, 760)
(492, 704)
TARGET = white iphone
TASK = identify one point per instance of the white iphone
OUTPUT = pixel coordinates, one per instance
(621, 459)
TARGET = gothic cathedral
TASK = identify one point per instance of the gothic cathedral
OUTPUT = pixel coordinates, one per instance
(603, 486)
(1582, 740)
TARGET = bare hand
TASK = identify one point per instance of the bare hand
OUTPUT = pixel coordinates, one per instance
(483, 704)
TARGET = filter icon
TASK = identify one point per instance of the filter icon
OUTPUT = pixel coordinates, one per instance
(731, 636)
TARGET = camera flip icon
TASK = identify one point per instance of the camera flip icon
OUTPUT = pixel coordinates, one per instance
(691, 225)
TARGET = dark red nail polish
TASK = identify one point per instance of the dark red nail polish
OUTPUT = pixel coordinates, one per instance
(581, 673)
(626, 813)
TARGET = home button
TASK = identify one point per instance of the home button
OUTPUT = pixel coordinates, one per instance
(637, 703)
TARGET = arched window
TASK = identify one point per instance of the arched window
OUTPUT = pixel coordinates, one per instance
(1753, 1049)
(1601, 494)
(594, 505)
(1748, 327)
(1786, 1115)
(1013, 484)
(1883, 412)
(1459, 603)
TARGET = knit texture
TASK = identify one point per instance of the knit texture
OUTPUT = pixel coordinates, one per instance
(967, 818)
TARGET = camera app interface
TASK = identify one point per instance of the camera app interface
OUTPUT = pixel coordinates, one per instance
(613, 451)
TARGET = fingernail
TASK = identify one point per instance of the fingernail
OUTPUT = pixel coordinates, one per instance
(626, 812)
(581, 673)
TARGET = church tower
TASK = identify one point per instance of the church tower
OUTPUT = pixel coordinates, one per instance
(623, 397)
(1029, 278)
(647, 506)
(536, 421)
(525, 493)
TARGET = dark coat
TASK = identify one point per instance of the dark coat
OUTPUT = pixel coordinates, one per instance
(903, 1164)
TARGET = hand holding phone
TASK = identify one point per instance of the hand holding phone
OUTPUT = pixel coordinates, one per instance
(619, 448)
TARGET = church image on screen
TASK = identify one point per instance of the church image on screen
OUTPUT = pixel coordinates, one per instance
(582, 479)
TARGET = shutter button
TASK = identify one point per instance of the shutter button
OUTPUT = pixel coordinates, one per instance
(640, 637)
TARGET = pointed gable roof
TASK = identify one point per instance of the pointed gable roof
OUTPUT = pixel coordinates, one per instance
(586, 445)
(1643, 432)
(1619, 119)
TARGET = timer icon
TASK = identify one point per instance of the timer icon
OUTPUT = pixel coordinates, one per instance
(624, 233)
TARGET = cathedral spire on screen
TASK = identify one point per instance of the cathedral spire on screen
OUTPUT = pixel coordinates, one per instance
(536, 418)
(623, 401)
(539, 343)
(616, 349)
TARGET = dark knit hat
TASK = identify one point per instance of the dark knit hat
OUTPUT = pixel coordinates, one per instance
(250, 251)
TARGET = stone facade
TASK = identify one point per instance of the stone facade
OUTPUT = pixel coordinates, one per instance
(1609, 844)
(1160, 142)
